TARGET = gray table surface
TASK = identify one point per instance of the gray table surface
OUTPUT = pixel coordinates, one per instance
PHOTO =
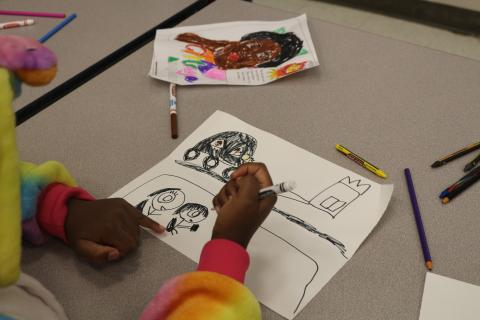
(100, 28)
(396, 104)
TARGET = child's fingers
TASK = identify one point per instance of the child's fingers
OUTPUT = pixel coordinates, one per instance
(96, 253)
(132, 218)
(146, 222)
(248, 188)
(256, 169)
(220, 199)
(120, 240)
(267, 204)
(228, 191)
(231, 188)
(129, 221)
(216, 203)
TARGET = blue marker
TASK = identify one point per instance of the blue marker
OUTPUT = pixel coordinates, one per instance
(57, 28)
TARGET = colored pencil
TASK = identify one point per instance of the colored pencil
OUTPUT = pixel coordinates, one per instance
(464, 183)
(173, 110)
(57, 28)
(359, 160)
(16, 24)
(456, 155)
(418, 220)
(32, 14)
(472, 164)
(458, 183)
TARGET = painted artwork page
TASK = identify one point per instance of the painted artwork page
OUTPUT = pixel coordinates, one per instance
(233, 53)
(311, 232)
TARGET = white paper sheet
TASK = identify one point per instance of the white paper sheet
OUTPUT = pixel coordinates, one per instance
(446, 299)
(187, 63)
(309, 236)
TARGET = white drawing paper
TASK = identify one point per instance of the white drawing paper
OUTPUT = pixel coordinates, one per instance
(311, 232)
(233, 53)
(445, 299)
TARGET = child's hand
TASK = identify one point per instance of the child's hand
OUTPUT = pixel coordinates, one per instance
(240, 211)
(105, 230)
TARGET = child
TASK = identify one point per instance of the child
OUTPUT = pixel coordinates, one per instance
(215, 290)
(105, 230)
(44, 199)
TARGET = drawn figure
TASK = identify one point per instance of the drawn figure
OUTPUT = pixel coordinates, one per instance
(339, 195)
(302, 223)
(189, 215)
(261, 49)
(231, 148)
(162, 200)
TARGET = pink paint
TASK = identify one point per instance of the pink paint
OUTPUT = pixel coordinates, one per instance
(216, 74)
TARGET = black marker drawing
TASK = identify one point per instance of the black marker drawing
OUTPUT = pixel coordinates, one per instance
(231, 148)
(340, 246)
(162, 200)
(339, 195)
(188, 217)
(234, 148)
(305, 255)
(335, 198)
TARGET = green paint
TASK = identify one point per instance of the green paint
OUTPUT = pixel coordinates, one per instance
(302, 52)
(192, 63)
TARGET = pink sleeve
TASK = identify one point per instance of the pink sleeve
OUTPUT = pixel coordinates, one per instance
(52, 207)
(225, 257)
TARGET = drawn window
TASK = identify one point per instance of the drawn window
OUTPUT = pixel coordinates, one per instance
(332, 204)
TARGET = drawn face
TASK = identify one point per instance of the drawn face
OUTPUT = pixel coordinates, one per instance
(237, 151)
(248, 53)
(192, 212)
(231, 148)
(161, 201)
(217, 146)
(168, 200)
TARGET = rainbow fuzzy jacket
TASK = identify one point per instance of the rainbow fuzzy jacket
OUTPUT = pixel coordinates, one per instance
(214, 291)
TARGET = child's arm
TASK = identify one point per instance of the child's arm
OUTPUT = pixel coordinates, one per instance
(98, 230)
(216, 290)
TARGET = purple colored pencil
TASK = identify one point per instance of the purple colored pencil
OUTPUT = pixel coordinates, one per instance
(418, 220)
(32, 14)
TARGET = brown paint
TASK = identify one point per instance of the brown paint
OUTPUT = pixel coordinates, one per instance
(236, 54)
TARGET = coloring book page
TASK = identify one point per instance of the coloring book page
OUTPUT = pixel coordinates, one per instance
(233, 53)
(310, 233)
(445, 298)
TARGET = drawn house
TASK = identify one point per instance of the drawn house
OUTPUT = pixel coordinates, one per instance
(339, 195)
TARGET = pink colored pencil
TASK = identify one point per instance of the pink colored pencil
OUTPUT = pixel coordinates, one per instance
(32, 14)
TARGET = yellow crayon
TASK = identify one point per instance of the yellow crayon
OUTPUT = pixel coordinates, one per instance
(364, 163)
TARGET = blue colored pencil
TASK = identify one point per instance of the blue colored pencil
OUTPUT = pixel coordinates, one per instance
(418, 220)
(57, 28)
